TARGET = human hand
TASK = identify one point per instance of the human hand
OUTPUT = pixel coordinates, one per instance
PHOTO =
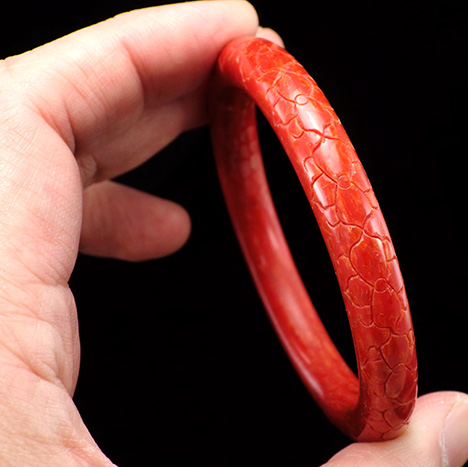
(76, 113)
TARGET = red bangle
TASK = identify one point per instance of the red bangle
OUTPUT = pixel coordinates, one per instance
(378, 405)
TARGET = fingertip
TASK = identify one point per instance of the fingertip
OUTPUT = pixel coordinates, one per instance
(165, 230)
(454, 435)
(123, 223)
(177, 227)
(270, 34)
(436, 436)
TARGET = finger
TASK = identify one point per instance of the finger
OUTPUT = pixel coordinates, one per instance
(271, 35)
(124, 223)
(436, 437)
(119, 91)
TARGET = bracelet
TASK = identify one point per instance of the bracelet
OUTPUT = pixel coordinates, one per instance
(378, 404)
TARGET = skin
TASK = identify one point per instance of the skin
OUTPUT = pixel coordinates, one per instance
(76, 113)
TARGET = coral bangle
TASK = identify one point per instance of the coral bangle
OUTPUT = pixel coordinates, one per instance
(377, 405)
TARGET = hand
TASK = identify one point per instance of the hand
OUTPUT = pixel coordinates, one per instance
(75, 114)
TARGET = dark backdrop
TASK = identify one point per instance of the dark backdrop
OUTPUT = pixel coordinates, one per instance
(179, 362)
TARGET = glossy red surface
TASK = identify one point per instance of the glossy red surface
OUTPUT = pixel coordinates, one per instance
(378, 404)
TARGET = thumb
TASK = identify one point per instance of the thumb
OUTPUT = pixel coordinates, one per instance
(453, 438)
(437, 436)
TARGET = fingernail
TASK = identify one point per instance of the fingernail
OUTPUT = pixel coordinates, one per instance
(454, 436)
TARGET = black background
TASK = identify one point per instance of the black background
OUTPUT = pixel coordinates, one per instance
(180, 365)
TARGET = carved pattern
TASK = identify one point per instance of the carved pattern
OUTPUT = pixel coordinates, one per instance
(351, 223)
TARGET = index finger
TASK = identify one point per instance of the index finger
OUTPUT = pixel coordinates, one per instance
(121, 90)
